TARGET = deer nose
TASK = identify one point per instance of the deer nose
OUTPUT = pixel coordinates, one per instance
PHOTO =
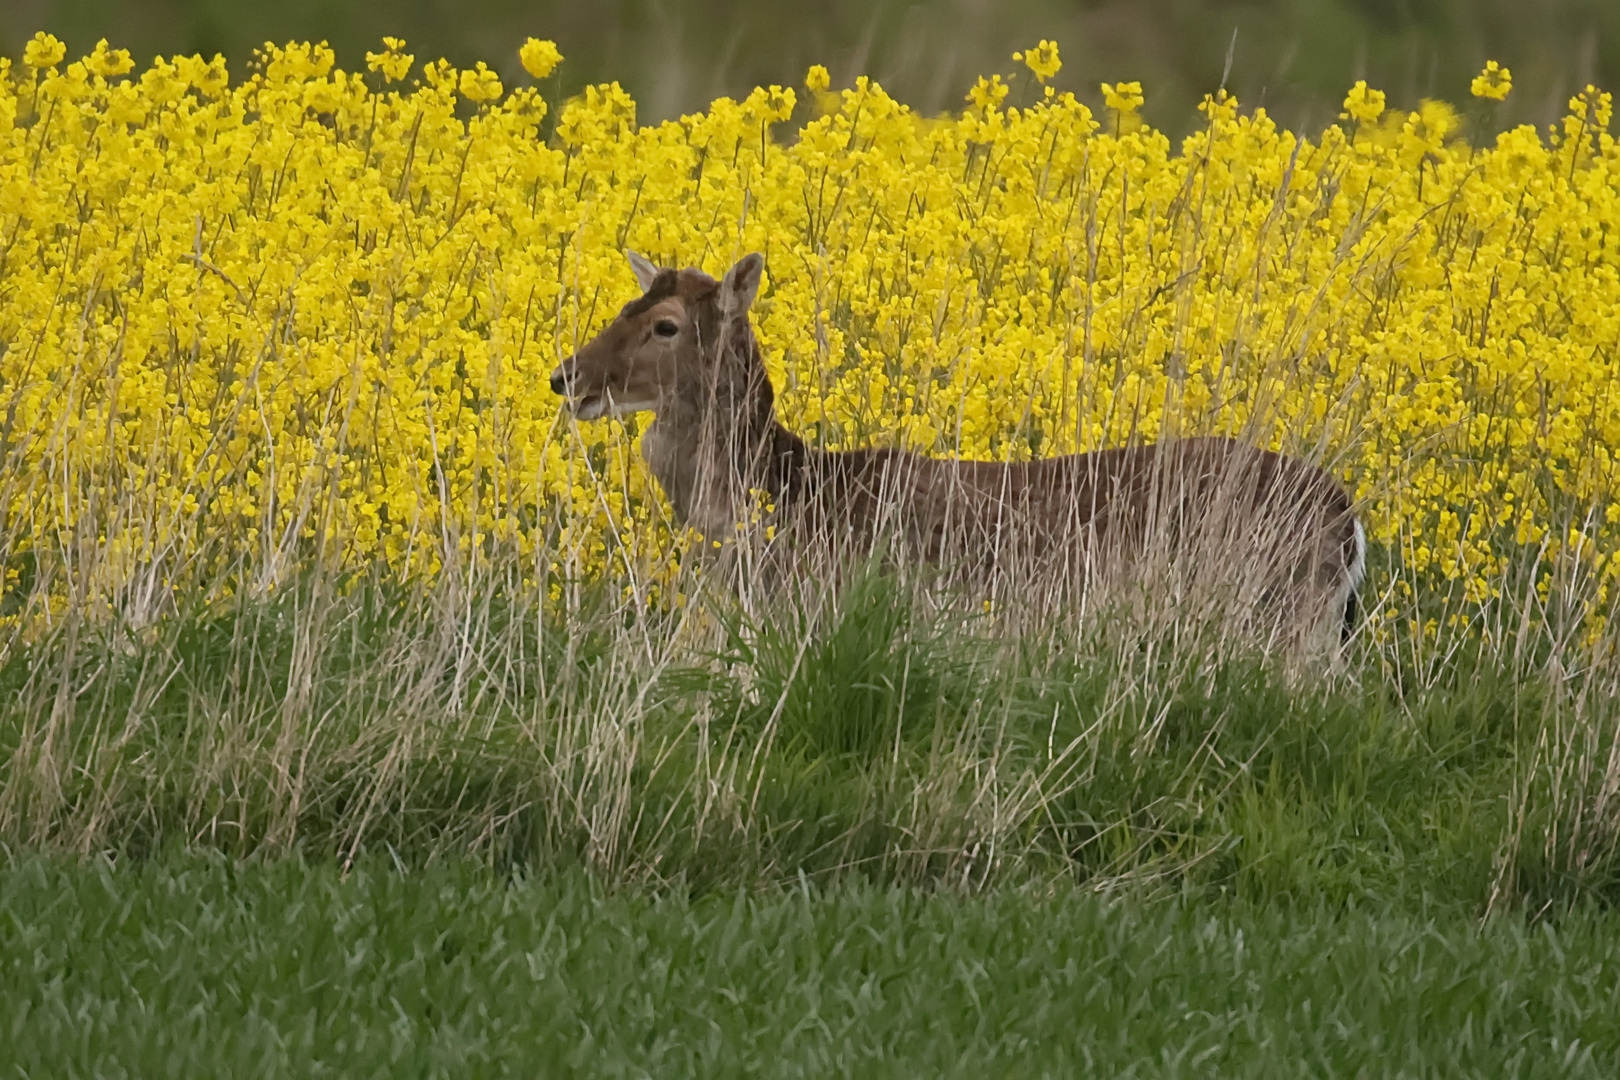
(559, 382)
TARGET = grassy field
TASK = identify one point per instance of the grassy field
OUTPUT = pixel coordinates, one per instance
(423, 743)
(198, 966)
(865, 735)
(362, 829)
(359, 829)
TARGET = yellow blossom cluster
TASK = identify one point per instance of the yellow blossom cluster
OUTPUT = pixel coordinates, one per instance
(1042, 61)
(311, 312)
(1495, 82)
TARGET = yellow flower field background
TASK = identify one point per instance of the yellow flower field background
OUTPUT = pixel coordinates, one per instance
(308, 314)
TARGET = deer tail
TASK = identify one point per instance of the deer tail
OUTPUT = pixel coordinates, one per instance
(1355, 571)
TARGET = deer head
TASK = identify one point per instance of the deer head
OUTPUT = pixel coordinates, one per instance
(667, 344)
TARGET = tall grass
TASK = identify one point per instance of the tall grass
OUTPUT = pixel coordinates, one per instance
(873, 730)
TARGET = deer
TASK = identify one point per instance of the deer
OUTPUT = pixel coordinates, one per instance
(685, 350)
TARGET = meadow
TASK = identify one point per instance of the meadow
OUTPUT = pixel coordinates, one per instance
(311, 588)
(288, 969)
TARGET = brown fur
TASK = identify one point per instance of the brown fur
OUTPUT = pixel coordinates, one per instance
(715, 439)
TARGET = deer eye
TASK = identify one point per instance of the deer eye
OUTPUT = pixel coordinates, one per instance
(666, 328)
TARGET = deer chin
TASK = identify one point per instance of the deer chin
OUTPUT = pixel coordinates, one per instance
(625, 408)
(596, 406)
(591, 407)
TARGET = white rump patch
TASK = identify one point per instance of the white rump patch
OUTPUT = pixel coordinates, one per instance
(1357, 570)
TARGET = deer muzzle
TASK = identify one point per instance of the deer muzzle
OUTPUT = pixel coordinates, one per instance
(565, 384)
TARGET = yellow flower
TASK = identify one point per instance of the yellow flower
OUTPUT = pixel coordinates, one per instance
(480, 84)
(163, 83)
(1590, 109)
(1125, 97)
(771, 104)
(441, 75)
(1493, 83)
(1219, 106)
(1362, 105)
(1042, 59)
(394, 63)
(125, 105)
(298, 61)
(539, 57)
(43, 50)
(108, 62)
(210, 79)
(988, 93)
(816, 79)
(1426, 130)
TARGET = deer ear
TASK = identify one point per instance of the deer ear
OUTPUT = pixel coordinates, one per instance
(741, 284)
(645, 271)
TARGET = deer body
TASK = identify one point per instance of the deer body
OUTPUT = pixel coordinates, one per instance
(686, 351)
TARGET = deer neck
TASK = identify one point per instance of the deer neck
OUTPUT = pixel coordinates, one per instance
(716, 441)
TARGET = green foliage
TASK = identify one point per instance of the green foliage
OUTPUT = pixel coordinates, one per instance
(874, 732)
(451, 830)
(202, 966)
(1294, 56)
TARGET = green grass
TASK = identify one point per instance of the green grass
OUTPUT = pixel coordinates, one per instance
(365, 829)
(865, 735)
(205, 967)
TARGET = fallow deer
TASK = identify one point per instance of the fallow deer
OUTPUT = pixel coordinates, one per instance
(685, 350)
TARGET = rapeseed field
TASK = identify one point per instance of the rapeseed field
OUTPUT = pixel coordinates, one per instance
(300, 551)
(307, 313)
